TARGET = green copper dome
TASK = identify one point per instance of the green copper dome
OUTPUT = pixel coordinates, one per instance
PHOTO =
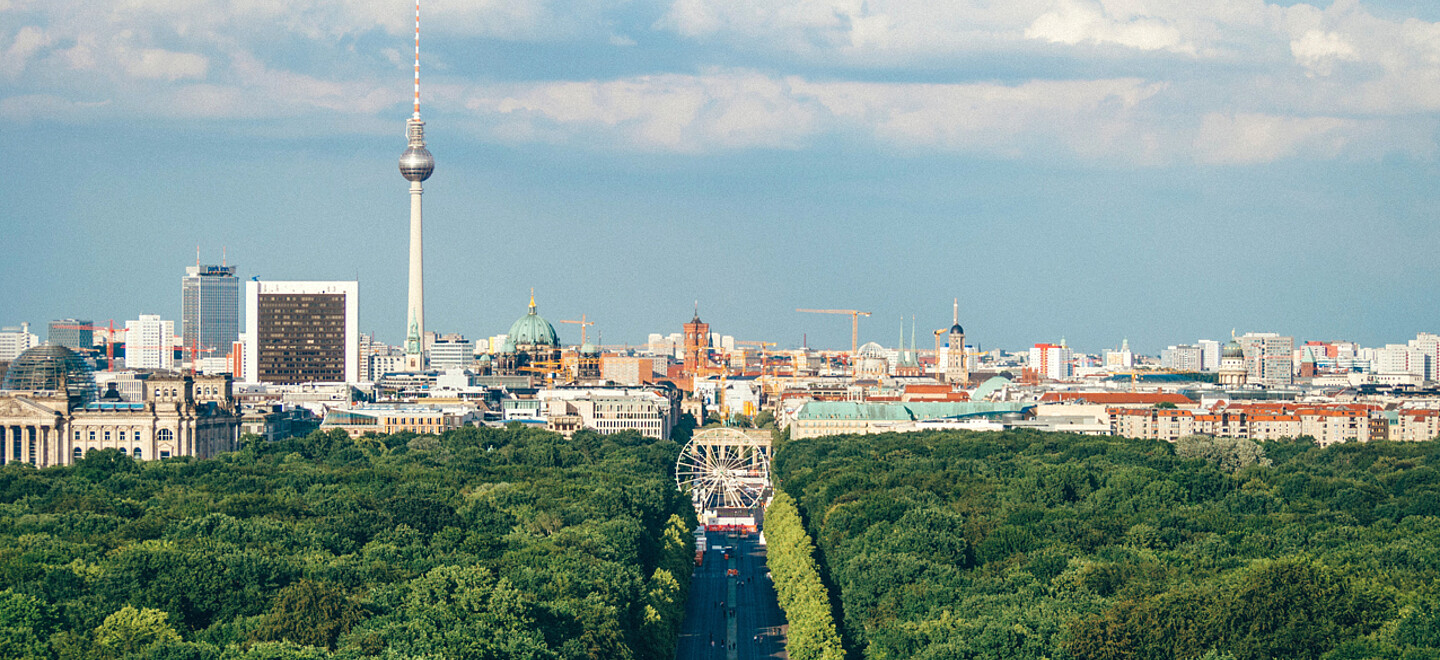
(533, 330)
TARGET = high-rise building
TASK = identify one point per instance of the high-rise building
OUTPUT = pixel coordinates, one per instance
(209, 311)
(1401, 359)
(15, 340)
(1429, 345)
(1051, 361)
(302, 332)
(1183, 357)
(73, 334)
(452, 351)
(1209, 354)
(416, 165)
(150, 343)
(1269, 358)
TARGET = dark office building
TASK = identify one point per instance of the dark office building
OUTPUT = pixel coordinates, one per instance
(73, 334)
(301, 332)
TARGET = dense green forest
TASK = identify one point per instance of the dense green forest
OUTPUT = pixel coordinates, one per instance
(483, 543)
(962, 545)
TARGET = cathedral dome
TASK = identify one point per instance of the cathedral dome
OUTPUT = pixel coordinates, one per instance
(51, 368)
(533, 330)
(1232, 350)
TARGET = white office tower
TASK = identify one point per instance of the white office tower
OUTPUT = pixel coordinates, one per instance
(150, 343)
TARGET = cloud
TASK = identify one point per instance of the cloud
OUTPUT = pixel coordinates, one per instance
(1132, 81)
(736, 109)
(157, 63)
(32, 107)
(1248, 138)
(1087, 118)
(1078, 21)
(28, 41)
(1318, 51)
(678, 113)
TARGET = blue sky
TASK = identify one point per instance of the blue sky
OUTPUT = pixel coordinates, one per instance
(1093, 170)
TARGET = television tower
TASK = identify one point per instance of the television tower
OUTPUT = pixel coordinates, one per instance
(416, 165)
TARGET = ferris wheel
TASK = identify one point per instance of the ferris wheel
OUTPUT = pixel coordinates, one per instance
(724, 468)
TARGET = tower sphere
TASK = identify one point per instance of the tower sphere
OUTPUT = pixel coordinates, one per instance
(416, 164)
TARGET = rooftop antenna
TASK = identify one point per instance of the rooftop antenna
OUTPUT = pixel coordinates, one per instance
(957, 312)
(197, 256)
(417, 59)
(224, 257)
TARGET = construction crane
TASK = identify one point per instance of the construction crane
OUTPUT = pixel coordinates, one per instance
(764, 345)
(109, 339)
(854, 324)
(583, 325)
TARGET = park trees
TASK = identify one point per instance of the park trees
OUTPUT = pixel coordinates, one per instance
(479, 543)
(1025, 544)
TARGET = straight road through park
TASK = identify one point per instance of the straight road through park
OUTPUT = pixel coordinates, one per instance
(732, 616)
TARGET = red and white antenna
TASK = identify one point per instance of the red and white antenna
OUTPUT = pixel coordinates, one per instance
(417, 59)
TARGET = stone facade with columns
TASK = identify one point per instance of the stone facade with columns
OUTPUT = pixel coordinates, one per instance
(178, 416)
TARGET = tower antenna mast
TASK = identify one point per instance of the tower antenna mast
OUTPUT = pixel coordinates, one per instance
(417, 60)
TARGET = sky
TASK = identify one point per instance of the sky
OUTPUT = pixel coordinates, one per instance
(1162, 171)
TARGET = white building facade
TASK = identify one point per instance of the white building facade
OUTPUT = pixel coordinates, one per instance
(16, 340)
(150, 343)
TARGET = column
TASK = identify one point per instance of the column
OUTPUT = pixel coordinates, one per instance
(57, 445)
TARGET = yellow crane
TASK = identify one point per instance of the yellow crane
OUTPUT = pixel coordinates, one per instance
(854, 324)
(583, 325)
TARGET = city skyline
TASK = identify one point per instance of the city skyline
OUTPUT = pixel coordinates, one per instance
(1162, 173)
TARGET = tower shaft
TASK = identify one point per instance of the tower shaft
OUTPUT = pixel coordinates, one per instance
(415, 310)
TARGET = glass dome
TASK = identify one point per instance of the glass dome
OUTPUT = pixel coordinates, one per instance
(53, 369)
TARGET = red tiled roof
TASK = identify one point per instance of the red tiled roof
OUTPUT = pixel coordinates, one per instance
(919, 388)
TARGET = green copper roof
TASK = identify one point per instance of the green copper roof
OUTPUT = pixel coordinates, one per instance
(532, 330)
(913, 411)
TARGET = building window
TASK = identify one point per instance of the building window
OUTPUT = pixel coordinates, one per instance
(78, 452)
(92, 436)
(164, 455)
(164, 435)
(138, 455)
(107, 436)
(122, 449)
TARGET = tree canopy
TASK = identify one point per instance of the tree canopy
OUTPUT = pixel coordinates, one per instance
(955, 544)
(479, 543)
